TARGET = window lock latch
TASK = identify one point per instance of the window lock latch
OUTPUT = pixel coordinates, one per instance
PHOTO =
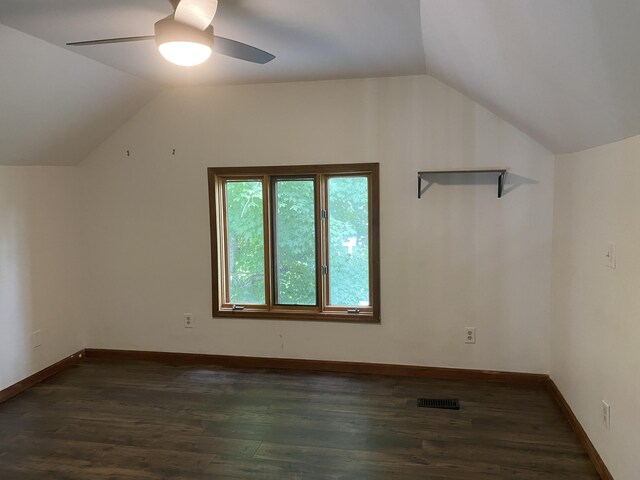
(237, 307)
(353, 310)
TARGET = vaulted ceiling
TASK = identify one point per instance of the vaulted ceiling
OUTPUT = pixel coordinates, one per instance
(566, 72)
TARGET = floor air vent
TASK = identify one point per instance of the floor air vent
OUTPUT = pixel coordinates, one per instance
(439, 403)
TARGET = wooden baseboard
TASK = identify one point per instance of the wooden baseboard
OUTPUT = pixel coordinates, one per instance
(38, 377)
(322, 366)
(594, 456)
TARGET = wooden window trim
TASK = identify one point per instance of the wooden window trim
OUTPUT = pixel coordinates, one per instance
(322, 312)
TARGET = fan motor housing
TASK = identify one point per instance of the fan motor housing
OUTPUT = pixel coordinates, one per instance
(169, 30)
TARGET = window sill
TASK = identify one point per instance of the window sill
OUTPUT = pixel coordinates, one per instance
(366, 317)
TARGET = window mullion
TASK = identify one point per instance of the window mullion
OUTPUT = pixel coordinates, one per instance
(266, 208)
(318, 226)
(323, 273)
(273, 239)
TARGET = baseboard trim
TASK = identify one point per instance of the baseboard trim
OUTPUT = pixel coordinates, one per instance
(321, 366)
(593, 454)
(38, 377)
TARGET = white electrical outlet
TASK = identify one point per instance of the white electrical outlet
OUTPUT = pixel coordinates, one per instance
(469, 334)
(188, 320)
(611, 255)
(606, 415)
(36, 340)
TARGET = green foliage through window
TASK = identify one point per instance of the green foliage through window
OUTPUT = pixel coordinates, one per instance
(295, 242)
(245, 242)
(348, 241)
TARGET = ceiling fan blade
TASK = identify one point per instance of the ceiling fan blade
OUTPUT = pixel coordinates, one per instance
(112, 40)
(242, 51)
(196, 13)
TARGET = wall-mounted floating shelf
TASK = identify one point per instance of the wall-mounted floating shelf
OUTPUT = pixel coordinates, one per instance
(502, 173)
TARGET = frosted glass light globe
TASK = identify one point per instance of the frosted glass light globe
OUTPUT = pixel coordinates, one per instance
(185, 54)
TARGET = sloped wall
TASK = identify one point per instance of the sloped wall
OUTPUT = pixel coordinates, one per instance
(57, 106)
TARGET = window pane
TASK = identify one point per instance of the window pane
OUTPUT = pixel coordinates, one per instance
(295, 242)
(348, 241)
(245, 242)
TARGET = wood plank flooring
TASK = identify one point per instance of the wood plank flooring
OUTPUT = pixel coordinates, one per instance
(141, 420)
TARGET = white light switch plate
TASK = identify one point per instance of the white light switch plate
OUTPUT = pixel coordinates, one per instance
(36, 340)
(606, 415)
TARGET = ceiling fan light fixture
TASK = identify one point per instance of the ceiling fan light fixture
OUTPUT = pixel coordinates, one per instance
(185, 54)
(182, 44)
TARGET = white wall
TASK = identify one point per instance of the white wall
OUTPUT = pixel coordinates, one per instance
(458, 257)
(595, 329)
(39, 268)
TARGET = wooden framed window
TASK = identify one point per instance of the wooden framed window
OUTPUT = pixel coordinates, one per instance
(296, 242)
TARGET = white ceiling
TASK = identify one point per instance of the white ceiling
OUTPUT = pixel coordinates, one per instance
(566, 72)
(312, 39)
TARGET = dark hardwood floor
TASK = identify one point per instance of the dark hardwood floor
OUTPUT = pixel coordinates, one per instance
(141, 420)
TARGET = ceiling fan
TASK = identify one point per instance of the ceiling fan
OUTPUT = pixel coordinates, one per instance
(186, 37)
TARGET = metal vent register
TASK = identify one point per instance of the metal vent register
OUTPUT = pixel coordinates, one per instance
(448, 404)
